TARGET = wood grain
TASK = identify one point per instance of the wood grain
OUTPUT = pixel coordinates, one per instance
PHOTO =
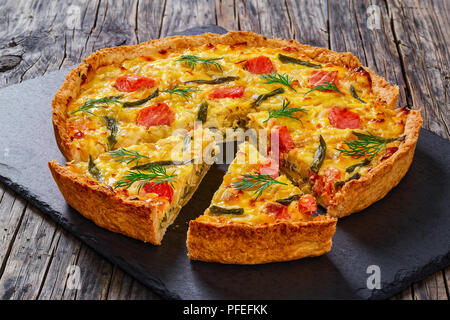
(409, 49)
(11, 213)
(180, 15)
(431, 288)
(226, 15)
(421, 30)
(248, 16)
(66, 254)
(29, 258)
(123, 287)
(309, 21)
(375, 47)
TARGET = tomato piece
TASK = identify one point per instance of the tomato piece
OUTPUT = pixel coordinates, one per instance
(277, 210)
(259, 65)
(131, 82)
(231, 92)
(342, 118)
(78, 134)
(163, 189)
(270, 168)
(307, 204)
(313, 178)
(389, 152)
(319, 77)
(285, 140)
(324, 183)
(289, 49)
(156, 115)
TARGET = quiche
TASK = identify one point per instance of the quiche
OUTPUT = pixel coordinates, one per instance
(330, 124)
(258, 216)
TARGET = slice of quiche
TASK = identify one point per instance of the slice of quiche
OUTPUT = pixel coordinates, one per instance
(258, 216)
(138, 191)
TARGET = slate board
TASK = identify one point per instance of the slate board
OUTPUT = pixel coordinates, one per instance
(407, 234)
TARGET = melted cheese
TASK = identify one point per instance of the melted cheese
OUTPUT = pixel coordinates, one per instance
(90, 135)
(173, 148)
(248, 161)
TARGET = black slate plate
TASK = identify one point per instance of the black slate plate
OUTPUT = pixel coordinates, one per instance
(407, 234)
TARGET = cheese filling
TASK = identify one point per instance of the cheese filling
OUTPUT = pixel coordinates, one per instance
(333, 103)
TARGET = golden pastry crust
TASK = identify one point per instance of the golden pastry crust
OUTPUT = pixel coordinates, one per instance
(239, 243)
(71, 87)
(137, 219)
(357, 195)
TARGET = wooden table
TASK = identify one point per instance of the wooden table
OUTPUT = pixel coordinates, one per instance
(408, 47)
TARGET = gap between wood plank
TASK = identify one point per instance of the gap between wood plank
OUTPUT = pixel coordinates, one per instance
(13, 238)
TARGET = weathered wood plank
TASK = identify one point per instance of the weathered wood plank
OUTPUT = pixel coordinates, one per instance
(274, 19)
(344, 33)
(149, 19)
(269, 18)
(180, 15)
(447, 281)
(248, 15)
(226, 15)
(309, 21)
(423, 37)
(431, 288)
(96, 275)
(65, 255)
(11, 213)
(124, 287)
(375, 46)
(114, 25)
(44, 36)
(29, 258)
(2, 190)
(121, 286)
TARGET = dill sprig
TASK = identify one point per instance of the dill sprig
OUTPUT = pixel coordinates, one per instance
(192, 61)
(153, 174)
(96, 103)
(183, 92)
(127, 156)
(327, 86)
(366, 145)
(276, 77)
(257, 181)
(285, 112)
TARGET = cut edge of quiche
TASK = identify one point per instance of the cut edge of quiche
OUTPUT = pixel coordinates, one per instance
(356, 195)
(137, 199)
(245, 226)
